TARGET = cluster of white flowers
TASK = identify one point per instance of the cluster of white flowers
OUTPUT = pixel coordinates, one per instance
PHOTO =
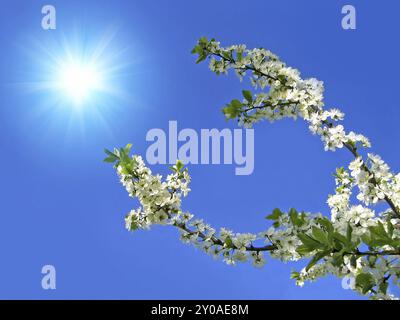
(289, 95)
(375, 181)
(350, 269)
(285, 237)
(158, 199)
(334, 245)
(318, 271)
(339, 202)
(359, 216)
(160, 203)
(386, 183)
(342, 212)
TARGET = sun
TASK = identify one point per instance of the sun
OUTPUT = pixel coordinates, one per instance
(81, 76)
(78, 80)
(80, 72)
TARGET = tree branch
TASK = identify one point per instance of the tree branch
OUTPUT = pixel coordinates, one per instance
(351, 148)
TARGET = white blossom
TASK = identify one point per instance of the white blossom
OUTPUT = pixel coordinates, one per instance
(351, 226)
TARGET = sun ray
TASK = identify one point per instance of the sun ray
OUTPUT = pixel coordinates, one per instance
(78, 77)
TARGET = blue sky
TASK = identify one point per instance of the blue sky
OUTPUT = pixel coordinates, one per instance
(61, 205)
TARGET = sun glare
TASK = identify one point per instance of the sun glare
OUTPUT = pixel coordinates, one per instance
(80, 76)
(79, 80)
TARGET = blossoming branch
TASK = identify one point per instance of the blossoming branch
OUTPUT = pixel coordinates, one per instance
(357, 241)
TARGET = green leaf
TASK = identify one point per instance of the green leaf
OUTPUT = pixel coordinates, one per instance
(372, 260)
(134, 225)
(227, 55)
(337, 259)
(295, 275)
(201, 57)
(337, 245)
(367, 239)
(383, 287)
(201, 52)
(276, 214)
(248, 96)
(326, 223)
(236, 104)
(316, 258)
(229, 242)
(179, 165)
(310, 242)
(353, 261)
(294, 218)
(128, 148)
(320, 235)
(124, 154)
(303, 250)
(379, 230)
(349, 232)
(282, 78)
(379, 237)
(339, 172)
(339, 237)
(201, 49)
(233, 109)
(112, 157)
(365, 282)
(390, 229)
(108, 152)
(203, 41)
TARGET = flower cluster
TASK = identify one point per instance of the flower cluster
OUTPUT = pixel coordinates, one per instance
(160, 203)
(357, 242)
(289, 95)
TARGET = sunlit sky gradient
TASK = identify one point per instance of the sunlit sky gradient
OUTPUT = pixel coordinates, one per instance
(61, 205)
